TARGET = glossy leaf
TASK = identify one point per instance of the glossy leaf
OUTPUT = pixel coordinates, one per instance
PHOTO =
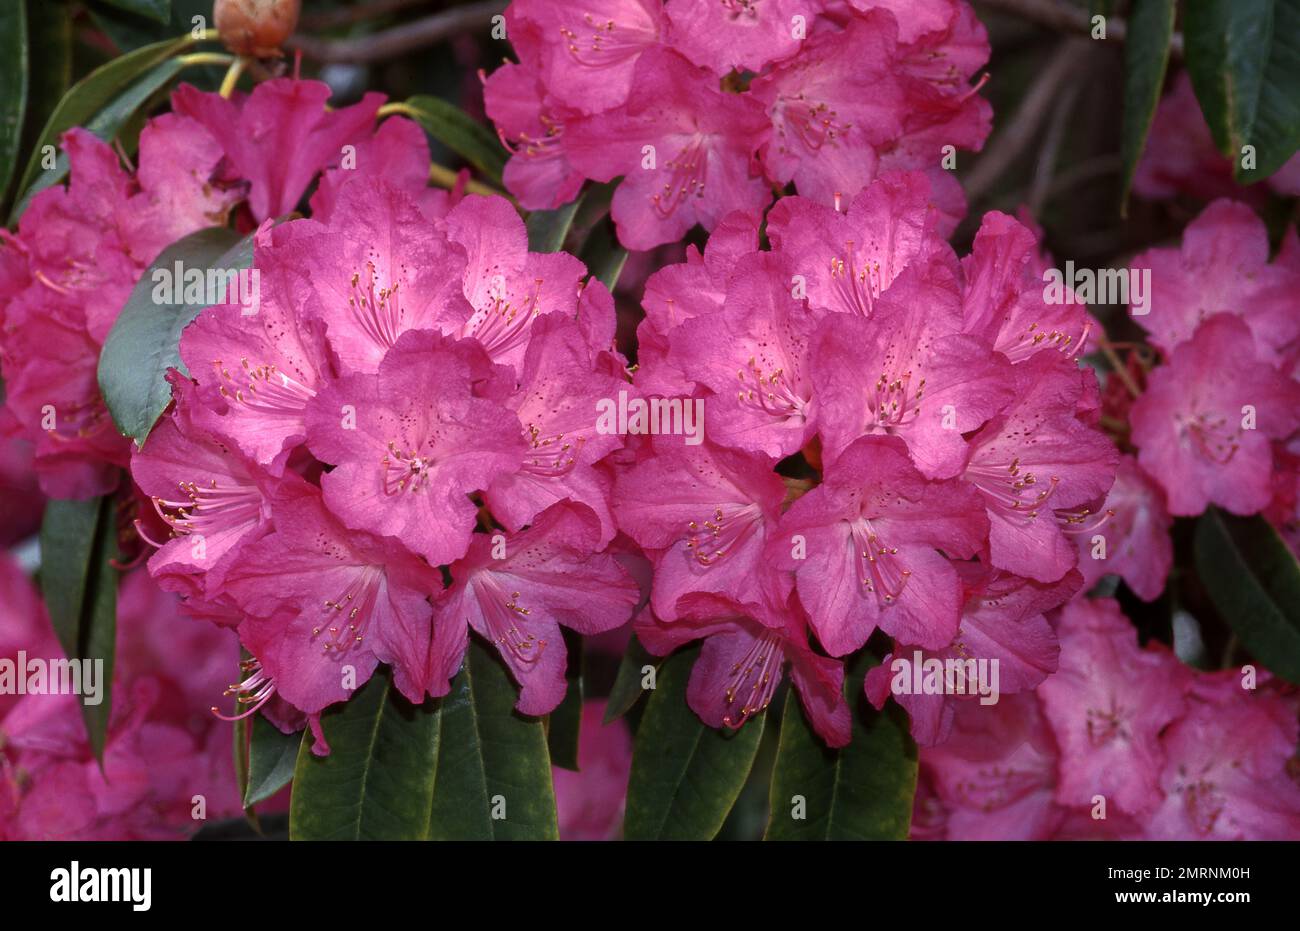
(272, 758)
(627, 689)
(1254, 580)
(547, 229)
(1244, 61)
(564, 724)
(378, 779)
(493, 771)
(1146, 56)
(860, 792)
(14, 66)
(685, 775)
(461, 133)
(79, 584)
(157, 10)
(145, 339)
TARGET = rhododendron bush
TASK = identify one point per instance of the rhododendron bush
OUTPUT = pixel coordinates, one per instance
(809, 419)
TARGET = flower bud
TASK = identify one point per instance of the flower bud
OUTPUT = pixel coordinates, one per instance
(256, 27)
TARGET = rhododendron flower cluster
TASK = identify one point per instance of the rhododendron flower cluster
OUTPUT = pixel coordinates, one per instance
(839, 462)
(897, 439)
(702, 109)
(416, 391)
(1123, 742)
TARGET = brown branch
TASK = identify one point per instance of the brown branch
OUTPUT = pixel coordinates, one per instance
(346, 16)
(1066, 17)
(400, 39)
(1009, 144)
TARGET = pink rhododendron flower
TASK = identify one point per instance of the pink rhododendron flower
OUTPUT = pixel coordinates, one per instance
(1227, 771)
(548, 576)
(873, 531)
(1037, 466)
(743, 661)
(162, 747)
(1203, 425)
(831, 107)
(409, 443)
(66, 274)
(708, 535)
(742, 35)
(1004, 298)
(1107, 705)
(284, 116)
(697, 168)
(1002, 625)
(585, 53)
(1222, 267)
(754, 356)
(325, 604)
(1135, 538)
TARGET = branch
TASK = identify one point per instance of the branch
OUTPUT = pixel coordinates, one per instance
(400, 39)
(1008, 145)
(1066, 17)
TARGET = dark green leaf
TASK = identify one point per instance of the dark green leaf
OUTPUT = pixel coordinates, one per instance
(493, 761)
(627, 688)
(49, 32)
(272, 757)
(1227, 45)
(465, 136)
(79, 583)
(547, 229)
(1276, 131)
(1146, 56)
(603, 255)
(861, 792)
(564, 724)
(1254, 581)
(13, 87)
(158, 10)
(145, 340)
(685, 775)
(1244, 60)
(378, 779)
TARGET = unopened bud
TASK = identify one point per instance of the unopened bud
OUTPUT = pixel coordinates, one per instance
(256, 27)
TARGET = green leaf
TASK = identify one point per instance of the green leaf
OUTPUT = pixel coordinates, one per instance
(860, 792)
(49, 32)
(1146, 56)
(13, 87)
(465, 136)
(685, 775)
(564, 724)
(157, 10)
(144, 341)
(79, 583)
(547, 229)
(627, 690)
(492, 761)
(1276, 132)
(1254, 581)
(378, 779)
(1244, 60)
(88, 97)
(441, 771)
(272, 758)
(1227, 48)
(603, 256)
